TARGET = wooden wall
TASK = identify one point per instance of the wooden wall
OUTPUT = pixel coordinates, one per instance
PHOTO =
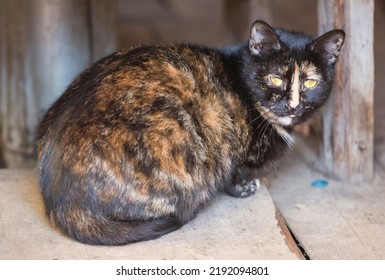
(213, 23)
(44, 44)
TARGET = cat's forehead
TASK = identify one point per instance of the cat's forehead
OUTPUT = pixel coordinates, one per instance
(304, 66)
(293, 40)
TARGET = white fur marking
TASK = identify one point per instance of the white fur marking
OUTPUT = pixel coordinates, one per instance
(285, 121)
(286, 136)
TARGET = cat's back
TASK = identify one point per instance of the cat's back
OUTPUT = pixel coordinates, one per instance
(126, 74)
(124, 83)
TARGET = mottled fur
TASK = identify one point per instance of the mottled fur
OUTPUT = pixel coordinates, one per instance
(144, 138)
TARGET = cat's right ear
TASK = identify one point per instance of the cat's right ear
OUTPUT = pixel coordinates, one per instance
(329, 45)
(262, 38)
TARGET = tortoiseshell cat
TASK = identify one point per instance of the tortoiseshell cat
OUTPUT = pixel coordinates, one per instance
(144, 138)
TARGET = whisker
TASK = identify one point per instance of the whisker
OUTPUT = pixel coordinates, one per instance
(271, 139)
(252, 109)
(263, 130)
(257, 118)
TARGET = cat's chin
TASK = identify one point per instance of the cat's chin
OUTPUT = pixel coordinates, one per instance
(285, 121)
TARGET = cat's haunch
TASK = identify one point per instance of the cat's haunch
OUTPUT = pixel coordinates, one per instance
(141, 140)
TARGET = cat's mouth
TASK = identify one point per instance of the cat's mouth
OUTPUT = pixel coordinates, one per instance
(275, 119)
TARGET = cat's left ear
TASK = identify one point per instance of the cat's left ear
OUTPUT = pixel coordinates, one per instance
(262, 38)
(329, 45)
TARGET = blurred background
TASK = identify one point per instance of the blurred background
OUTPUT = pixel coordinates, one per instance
(44, 44)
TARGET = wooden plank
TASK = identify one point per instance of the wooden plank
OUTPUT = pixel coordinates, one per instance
(341, 221)
(15, 133)
(2, 76)
(228, 228)
(44, 45)
(348, 125)
(379, 96)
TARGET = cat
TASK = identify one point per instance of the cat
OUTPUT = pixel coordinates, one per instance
(144, 138)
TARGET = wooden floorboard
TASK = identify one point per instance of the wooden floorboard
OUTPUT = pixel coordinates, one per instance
(340, 221)
(228, 228)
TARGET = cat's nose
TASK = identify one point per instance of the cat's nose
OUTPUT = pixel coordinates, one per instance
(292, 104)
(291, 111)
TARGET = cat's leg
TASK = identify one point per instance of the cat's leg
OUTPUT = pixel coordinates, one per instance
(244, 184)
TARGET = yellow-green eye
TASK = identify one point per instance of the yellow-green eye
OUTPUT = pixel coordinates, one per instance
(276, 81)
(310, 83)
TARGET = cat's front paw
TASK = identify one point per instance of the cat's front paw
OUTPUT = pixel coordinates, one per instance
(244, 189)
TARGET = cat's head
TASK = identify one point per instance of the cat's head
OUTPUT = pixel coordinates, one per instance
(290, 74)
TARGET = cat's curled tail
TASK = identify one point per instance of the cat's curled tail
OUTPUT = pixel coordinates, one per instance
(104, 231)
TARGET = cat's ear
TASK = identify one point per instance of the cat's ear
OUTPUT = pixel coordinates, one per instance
(262, 38)
(329, 45)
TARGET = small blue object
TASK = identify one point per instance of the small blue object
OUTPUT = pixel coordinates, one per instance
(320, 184)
